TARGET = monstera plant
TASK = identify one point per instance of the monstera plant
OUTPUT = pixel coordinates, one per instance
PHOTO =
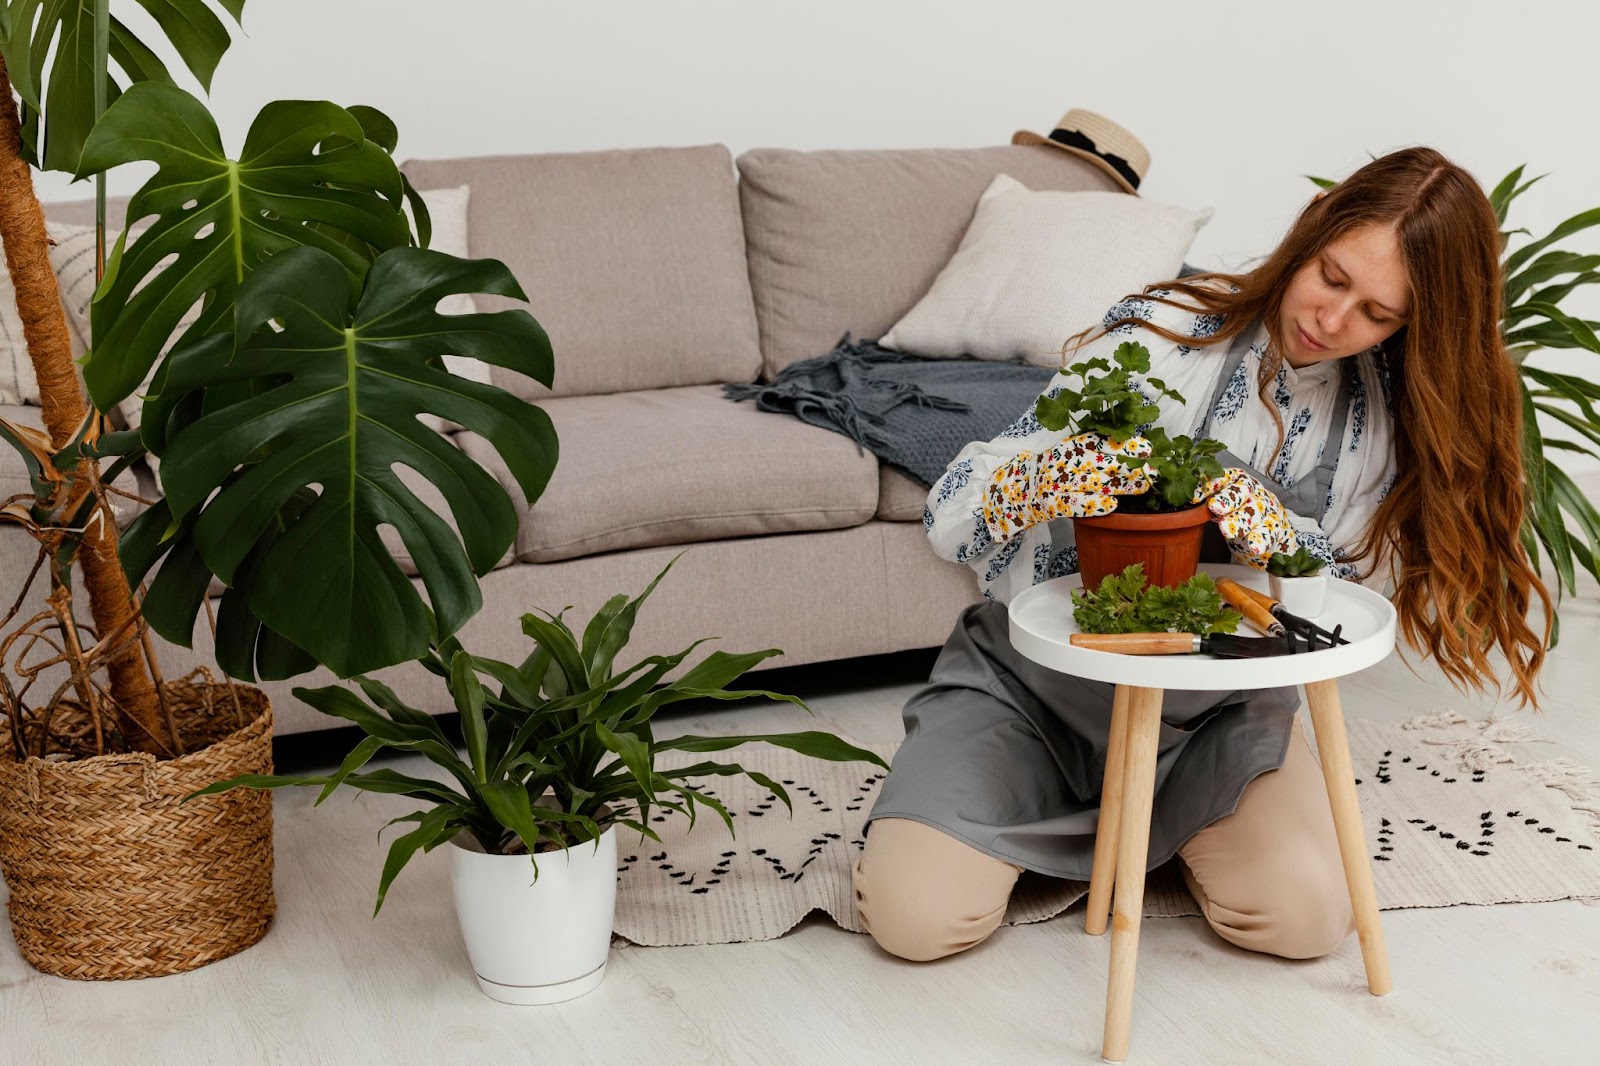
(1535, 279)
(273, 315)
(318, 345)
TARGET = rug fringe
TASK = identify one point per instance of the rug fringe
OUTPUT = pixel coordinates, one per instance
(1482, 750)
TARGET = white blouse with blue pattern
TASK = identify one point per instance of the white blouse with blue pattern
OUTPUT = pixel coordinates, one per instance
(953, 516)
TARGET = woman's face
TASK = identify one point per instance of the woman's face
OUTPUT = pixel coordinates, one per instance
(1352, 295)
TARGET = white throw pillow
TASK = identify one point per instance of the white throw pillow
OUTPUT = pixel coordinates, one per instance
(1036, 267)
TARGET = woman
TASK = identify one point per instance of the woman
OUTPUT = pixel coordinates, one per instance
(1383, 426)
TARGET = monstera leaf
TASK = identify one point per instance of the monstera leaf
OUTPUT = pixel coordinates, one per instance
(29, 28)
(308, 174)
(282, 493)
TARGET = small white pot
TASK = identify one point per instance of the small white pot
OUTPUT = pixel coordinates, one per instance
(1303, 596)
(537, 942)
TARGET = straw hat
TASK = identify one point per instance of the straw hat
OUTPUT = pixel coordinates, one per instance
(1100, 141)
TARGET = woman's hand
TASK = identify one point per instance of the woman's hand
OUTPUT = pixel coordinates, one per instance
(1253, 521)
(1079, 478)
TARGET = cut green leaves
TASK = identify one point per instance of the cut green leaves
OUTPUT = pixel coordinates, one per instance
(1124, 603)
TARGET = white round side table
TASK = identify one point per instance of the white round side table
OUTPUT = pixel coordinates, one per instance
(1041, 627)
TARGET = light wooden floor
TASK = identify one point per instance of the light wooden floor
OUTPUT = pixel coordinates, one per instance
(1505, 984)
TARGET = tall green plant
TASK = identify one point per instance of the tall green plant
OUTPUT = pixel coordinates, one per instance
(283, 411)
(281, 414)
(1535, 278)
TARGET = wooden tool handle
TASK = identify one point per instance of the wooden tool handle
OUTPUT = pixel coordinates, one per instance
(1137, 643)
(1260, 597)
(1248, 602)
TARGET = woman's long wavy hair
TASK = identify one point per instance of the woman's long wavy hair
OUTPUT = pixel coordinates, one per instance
(1450, 525)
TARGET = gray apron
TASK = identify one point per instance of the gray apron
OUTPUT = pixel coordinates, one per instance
(1008, 756)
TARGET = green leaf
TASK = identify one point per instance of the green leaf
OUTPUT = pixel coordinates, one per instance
(245, 646)
(262, 781)
(1546, 515)
(434, 826)
(359, 756)
(1577, 223)
(1579, 391)
(1588, 429)
(341, 703)
(1565, 492)
(63, 30)
(394, 783)
(242, 212)
(612, 625)
(468, 695)
(634, 753)
(557, 640)
(815, 744)
(1547, 266)
(342, 385)
(33, 446)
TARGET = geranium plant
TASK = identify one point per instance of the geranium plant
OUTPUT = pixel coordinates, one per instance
(1111, 404)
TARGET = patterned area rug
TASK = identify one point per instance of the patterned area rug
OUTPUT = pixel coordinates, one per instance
(1456, 812)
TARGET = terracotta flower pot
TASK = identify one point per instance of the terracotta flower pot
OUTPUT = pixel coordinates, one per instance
(1167, 543)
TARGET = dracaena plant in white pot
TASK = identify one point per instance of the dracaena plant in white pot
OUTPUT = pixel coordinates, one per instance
(560, 752)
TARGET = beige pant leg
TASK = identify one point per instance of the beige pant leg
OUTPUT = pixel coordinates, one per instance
(1268, 876)
(922, 894)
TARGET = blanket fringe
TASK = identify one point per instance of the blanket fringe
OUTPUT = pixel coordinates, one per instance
(1482, 750)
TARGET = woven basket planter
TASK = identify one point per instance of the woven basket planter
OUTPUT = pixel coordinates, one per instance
(111, 877)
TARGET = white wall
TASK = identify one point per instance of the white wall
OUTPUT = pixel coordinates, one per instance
(1235, 100)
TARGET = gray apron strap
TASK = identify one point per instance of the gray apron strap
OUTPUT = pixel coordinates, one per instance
(1308, 497)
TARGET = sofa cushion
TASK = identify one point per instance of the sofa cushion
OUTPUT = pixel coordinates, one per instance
(676, 466)
(901, 497)
(633, 261)
(851, 240)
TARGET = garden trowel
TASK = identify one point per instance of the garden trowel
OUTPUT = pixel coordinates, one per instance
(1222, 645)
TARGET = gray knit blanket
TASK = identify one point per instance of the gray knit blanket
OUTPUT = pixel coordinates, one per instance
(911, 412)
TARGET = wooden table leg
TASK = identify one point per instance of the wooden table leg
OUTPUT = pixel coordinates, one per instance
(1106, 830)
(1133, 853)
(1327, 719)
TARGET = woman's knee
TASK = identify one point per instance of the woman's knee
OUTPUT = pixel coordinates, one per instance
(922, 894)
(1295, 905)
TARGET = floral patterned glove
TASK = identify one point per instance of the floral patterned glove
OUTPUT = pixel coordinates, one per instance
(1252, 519)
(1078, 478)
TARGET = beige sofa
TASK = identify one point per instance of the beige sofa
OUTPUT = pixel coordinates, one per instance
(661, 274)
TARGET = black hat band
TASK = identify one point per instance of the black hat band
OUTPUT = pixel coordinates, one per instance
(1074, 139)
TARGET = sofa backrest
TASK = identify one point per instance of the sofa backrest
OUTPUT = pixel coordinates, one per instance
(633, 260)
(850, 240)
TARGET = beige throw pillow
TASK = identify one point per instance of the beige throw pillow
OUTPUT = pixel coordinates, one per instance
(72, 258)
(1036, 267)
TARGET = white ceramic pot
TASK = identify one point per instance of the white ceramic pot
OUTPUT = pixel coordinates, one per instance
(1303, 596)
(537, 942)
